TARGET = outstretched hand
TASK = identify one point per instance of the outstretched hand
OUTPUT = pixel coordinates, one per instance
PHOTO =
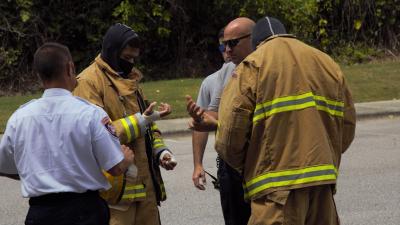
(149, 109)
(194, 110)
(164, 109)
(201, 120)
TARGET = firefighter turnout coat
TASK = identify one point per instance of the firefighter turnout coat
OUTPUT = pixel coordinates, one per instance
(122, 99)
(285, 118)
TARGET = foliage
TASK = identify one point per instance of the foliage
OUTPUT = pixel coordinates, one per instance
(179, 36)
(368, 82)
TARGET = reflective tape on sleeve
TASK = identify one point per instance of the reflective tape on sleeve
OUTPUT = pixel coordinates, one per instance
(131, 127)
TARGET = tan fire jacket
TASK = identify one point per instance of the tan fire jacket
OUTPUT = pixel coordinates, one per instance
(285, 118)
(102, 86)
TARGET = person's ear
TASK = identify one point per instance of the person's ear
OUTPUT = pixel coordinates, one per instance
(71, 69)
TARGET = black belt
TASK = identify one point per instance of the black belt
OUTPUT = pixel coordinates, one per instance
(55, 198)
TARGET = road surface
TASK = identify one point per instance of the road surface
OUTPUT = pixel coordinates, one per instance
(368, 186)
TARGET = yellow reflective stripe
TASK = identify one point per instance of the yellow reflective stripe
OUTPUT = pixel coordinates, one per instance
(284, 109)
(136, 195)
(290, 177)
(297, 102)
(330, 111)
(158, 142)
(330, 102)
(158, 145)
(292, 182)
(134, 187)
(154, 127)
(163, 193)
(135, 125)
(289, 172)
(283, 99)
(134, 191)
(127, 130)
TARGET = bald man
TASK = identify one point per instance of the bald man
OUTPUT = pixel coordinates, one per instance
(236, 211)
(237, 39)
(285, 119)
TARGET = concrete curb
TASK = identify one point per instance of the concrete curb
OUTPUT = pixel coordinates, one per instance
(369, 110)
(365, 110)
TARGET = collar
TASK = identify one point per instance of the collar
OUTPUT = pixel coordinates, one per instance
(276, 36)
(51, 92)
(123, 86)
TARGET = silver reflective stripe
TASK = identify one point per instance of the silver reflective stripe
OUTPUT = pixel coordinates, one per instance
(131, 128)
(291, 177)
(282, 104)
(332, 107)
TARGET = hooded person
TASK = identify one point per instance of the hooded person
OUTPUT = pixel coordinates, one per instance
(111, 82)
(285, 118)
(265, 28)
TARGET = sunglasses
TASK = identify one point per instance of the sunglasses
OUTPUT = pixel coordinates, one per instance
(233, 42)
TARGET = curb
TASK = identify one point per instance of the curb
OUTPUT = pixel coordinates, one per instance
(370, 110)
(366, 110)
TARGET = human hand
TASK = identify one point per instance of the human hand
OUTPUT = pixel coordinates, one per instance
(165, 109)
(199, 177)
(128, 154)
(149, 109)
(167, 160)
(194, 110)
(206, 124)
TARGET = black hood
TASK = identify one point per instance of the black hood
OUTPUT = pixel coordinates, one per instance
(114, 41)
(265, 28)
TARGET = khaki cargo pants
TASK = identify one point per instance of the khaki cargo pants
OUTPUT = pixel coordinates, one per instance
(304, 206)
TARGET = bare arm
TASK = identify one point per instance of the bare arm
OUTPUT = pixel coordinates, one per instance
(199, 142)
(122, 166)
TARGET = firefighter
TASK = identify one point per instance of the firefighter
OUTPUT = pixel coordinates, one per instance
(57, 145)
(111, 82)
(285, 119)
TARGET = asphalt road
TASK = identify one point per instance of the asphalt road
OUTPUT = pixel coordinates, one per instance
(368, 186)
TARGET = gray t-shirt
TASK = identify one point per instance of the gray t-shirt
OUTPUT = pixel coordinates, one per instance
(211, 88)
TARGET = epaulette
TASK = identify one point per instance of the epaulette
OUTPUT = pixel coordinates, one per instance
(25, 104)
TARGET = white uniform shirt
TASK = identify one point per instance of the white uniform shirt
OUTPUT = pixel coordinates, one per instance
(59, 143)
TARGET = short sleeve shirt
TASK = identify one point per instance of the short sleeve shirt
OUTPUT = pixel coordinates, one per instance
(59, 143)
(212, 87)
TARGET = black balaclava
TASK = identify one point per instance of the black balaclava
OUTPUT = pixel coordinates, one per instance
(265, 28)
(116, 39)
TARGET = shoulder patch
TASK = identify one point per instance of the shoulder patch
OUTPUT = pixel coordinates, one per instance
(106, 121)
(25, 104)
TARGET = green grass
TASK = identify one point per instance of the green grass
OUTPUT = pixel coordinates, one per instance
(374, 81)
(9, 104)
(172, 92)
(368, 82)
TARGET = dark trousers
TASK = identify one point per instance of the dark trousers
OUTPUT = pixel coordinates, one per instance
(68, 209)
(235, 210)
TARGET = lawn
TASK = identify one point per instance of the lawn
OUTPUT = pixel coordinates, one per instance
(368, 82)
